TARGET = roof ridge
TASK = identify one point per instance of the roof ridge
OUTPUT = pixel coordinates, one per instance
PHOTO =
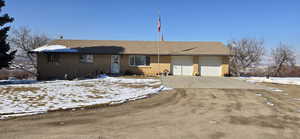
(137, 41)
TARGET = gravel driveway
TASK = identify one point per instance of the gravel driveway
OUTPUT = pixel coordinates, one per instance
(208, 82)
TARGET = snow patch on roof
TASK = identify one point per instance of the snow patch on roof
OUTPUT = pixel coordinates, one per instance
(54, 48)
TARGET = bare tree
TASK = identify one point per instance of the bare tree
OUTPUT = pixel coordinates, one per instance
(282, 56)
(247, 53)
(25, 41)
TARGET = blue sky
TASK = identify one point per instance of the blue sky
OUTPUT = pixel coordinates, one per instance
(182, 20)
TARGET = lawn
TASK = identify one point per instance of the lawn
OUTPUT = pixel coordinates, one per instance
(34, 97)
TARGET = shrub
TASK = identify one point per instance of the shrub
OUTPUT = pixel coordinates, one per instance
(18, 74)
(128, 72)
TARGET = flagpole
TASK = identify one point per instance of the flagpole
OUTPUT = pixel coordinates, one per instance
(158, 37)
(158, 53)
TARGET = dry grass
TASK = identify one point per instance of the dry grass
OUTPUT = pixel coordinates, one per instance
(8, 90)
(95, 97)
(19, 74)
(20, 89)
(76, 101)
(140, 77)
(88, 85)
(129, 85)
(95, 91)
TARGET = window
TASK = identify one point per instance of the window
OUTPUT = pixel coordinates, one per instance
(86, 58)
(139, 60)
(52, 58)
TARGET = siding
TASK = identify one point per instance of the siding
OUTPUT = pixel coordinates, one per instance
(225, 66)
(70, 64)
(196, 65)
(152, 69)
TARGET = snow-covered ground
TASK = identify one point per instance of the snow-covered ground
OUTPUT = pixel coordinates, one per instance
(40, 97)
(279, 80)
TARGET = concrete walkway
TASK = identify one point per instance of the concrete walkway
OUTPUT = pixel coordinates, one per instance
(208, 82)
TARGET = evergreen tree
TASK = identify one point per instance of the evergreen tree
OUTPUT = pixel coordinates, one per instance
(6, 56)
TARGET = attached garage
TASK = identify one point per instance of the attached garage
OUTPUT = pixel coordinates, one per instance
(182, 65)
(210, 65)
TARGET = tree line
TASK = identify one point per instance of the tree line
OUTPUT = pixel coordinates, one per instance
(248, 54)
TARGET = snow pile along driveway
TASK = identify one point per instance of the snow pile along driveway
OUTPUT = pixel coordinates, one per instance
(293, 81)
(27, 99)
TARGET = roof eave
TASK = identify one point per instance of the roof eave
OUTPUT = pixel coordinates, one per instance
(162, 54)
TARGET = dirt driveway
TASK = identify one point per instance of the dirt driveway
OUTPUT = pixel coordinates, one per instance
(208, 82)
(180, 113)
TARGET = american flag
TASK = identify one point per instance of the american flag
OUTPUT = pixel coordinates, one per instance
(158, 24)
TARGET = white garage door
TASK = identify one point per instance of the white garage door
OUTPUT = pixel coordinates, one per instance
(210, 65)
(182, 65)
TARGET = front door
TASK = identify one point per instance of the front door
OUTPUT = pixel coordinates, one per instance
(115, 64)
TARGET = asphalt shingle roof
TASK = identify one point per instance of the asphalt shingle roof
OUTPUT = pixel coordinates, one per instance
(145, 47)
